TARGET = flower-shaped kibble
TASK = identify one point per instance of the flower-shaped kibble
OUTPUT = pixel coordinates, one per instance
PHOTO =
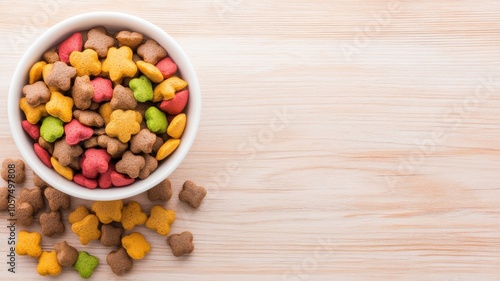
(38, 93)
(94, 162)
(119, 261)
(123, 124)
(77, 132)
(99, 40)
(85, 264)
(162, 191)
(151, 51)
(119, 63)
(51, 223)
(136, 245)
(130, 164)
(160, 220)
(82, 92)
(51, 129)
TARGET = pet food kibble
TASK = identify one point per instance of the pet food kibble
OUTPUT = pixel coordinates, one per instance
(160, 220)
(48, 265)
(24, 213)
(56, 199)
(29, 243)
(51, 223)
(181, 244)
(85, 264)
(110, 235)
(4, 198)
(162, 191)
(66, 255)
(192, 194)
(78, 214)
(119, 261)
(87, 229)
(108, 211)
(34, 197)
(13, 170)
(132, 215)
(136, 245)
(96, 107)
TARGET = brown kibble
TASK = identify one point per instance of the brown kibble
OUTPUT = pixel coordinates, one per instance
(181, 244)
(130, 164)
(38, 181)
(149, 167)
(46, 145)
(66, 254)
(129, 38)
(34, 197)
(110, 235)
(89, 118)
(4, 198)
(57, 200)
(151, 51)
(51, 56)
(162, 191)
(51, 223)
(192, 194)
(119, 261)
(99, 40)
(24, 213)
(142, 142)
(123, 98)
(13, 169)
(82, 92)
(113, 146)
(65, 153)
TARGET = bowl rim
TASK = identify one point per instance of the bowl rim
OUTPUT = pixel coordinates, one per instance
(53, 36)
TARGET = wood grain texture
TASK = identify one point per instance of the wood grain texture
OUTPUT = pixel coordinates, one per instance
(340, 140)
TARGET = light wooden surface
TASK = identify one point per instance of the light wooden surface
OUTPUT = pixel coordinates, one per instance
(340, 140)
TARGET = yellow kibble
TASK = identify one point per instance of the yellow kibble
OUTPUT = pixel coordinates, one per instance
(66, 172)
(36, 71)
(167, 148)
(166, 89)
(105, 111)
(33, 114)
(151, 71)
(176, 126)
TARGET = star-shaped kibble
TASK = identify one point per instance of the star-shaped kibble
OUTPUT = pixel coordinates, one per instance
(37, 93)
(130, 164)
(85, 264)
(99, 40)
(65, 153)
(86, 62)
(143, 141)
(60, 76)
(87, 229)
(60, 106)
(151, 51)
(119, 63)
(33, 114)
(181, 244)
(123, 124)
(94, 162)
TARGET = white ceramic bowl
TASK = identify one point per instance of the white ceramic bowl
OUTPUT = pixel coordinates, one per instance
(113, 22)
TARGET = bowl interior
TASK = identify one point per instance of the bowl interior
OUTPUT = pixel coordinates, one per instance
(113, 22)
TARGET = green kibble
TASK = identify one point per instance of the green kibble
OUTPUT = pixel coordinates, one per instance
(156, 120)
(142, 88)
(52, 128)
(85, 264)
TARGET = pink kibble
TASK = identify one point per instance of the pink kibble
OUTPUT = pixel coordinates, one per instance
(70, 45)
(77, 132)
(42, 154)
(94, 162)
(176, 105)
(103, 89)
(167, 67)
(120, 179)
(32, 130)
(105, 178)
(85, 182)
